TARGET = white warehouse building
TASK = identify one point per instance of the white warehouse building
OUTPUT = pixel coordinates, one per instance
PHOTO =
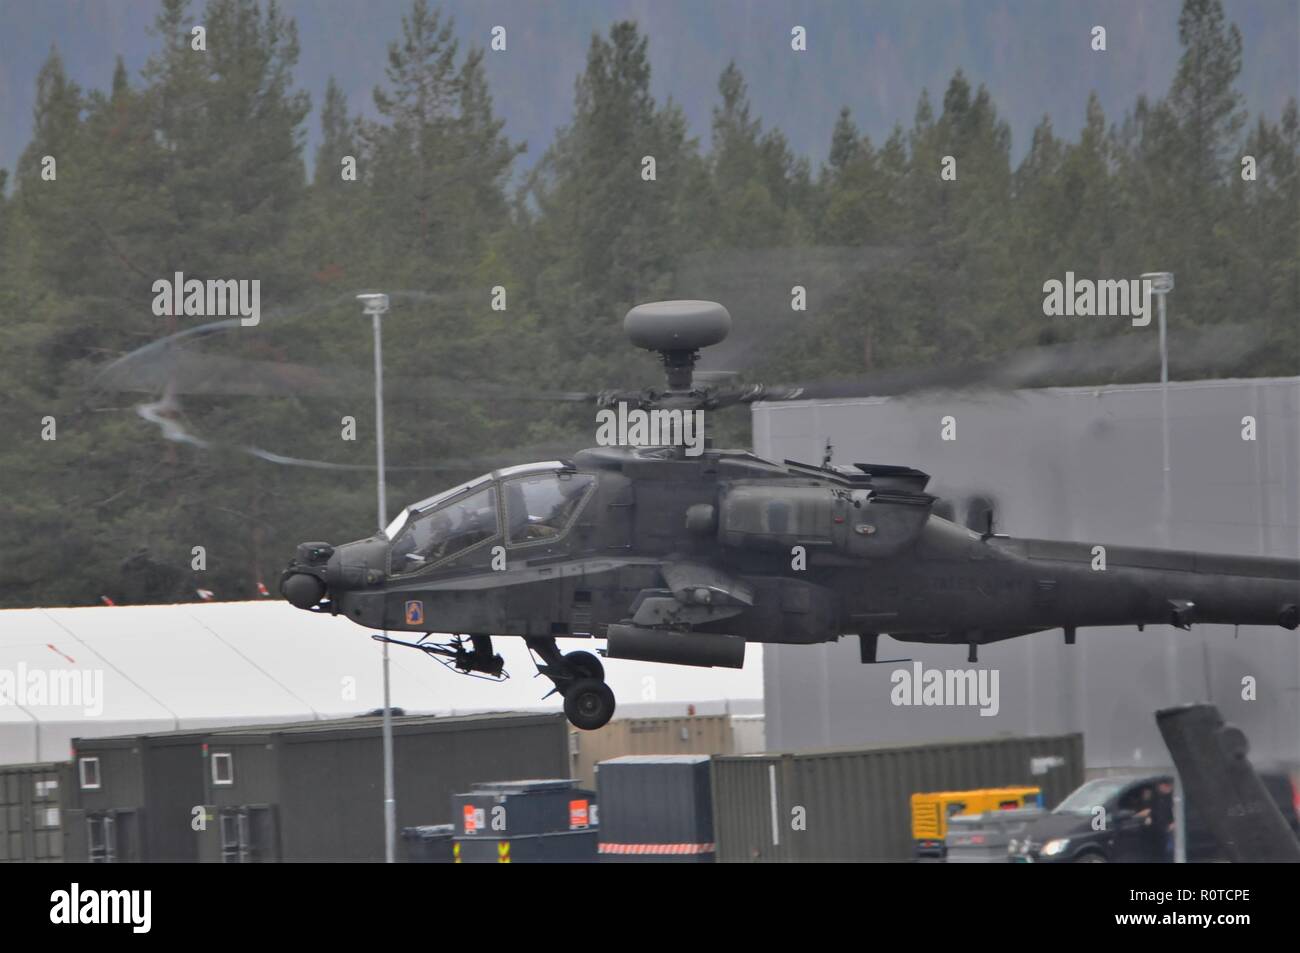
(1084, 464)
(141, 669)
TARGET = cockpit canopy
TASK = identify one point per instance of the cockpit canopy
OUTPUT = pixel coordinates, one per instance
(534, 503)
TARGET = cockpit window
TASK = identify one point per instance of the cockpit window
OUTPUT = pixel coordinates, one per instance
(425, 505)
(434, 536)
(541, 507)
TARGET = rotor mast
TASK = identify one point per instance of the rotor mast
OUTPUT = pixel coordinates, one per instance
(676, 330)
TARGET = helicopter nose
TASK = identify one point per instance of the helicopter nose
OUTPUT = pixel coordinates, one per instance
(303, 590)
(301, 586)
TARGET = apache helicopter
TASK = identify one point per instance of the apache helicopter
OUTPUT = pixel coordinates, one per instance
(685, 559)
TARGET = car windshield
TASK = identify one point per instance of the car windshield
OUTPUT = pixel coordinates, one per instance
(1094, 794)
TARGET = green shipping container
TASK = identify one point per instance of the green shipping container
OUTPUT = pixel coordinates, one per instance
(31, 812)
(855, 805)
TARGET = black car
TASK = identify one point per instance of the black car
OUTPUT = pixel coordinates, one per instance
(1107, 819)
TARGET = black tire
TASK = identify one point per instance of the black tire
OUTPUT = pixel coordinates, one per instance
(1090, 857)
(585, 665)
(589, 704)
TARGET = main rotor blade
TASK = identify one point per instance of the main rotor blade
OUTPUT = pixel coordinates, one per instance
(194, 372)
(175, 361)
(1074, 363)
(165, 413)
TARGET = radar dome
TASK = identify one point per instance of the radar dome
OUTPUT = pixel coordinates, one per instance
(677, 325)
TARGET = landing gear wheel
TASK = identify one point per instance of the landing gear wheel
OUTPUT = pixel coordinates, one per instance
(585, 665)
(589, 704)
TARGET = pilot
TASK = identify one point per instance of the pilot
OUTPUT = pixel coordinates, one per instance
(440, 531)
(553, 524)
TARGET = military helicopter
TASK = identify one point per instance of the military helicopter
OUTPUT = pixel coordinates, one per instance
(684, 559)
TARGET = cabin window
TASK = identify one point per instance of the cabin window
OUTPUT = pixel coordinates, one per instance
(446, 531)
(89, 769)
(542, 507)
(223, 768)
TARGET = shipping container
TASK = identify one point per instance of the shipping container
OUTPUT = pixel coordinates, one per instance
(556, 847)
(31, 801)
(134, 798)
(656, 808)
(855, 805)
(695, 734)
(531, 821)
(313, 791)
(749, 734)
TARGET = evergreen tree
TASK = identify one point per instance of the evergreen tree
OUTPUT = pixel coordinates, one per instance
(196, 165)
(1204, 101)
(607, 235)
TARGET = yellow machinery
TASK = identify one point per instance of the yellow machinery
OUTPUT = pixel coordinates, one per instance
(931, 810)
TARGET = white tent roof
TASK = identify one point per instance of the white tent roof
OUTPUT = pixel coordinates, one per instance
(210, 664)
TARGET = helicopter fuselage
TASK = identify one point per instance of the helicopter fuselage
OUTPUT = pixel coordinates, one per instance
(684, 559)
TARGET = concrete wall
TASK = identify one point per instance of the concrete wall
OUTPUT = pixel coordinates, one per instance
(1080, 464)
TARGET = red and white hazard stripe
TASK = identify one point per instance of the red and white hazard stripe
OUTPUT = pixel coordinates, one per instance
(657, 848)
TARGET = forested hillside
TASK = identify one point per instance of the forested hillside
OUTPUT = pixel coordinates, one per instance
(198, 165)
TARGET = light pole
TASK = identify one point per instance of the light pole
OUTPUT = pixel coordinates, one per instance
(376, 305)
(1162, 282)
